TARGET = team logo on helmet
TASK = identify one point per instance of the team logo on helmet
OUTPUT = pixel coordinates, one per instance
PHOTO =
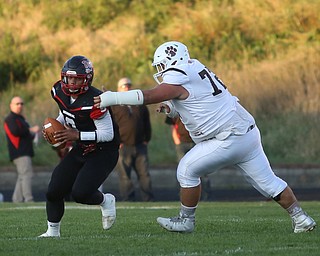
(171, 51)
(87, 65)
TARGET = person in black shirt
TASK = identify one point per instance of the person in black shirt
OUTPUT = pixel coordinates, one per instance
(19, 137)
(135, 134)
(95, 151)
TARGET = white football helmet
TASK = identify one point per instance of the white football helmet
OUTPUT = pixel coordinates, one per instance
(167, 55)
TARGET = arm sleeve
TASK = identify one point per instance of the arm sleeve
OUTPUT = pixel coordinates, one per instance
(132, 97)
(104, 129)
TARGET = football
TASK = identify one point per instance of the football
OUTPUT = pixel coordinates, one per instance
(51, 125)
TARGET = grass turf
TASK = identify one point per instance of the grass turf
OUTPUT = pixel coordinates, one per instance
(222, 228)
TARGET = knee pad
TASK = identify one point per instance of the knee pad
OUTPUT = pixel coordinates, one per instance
(187, 181)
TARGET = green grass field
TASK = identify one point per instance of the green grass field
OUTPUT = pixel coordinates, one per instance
(222, 228)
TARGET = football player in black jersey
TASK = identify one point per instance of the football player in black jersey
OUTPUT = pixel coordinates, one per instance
(95, 152)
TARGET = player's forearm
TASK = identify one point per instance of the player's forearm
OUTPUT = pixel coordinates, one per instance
(132, 97)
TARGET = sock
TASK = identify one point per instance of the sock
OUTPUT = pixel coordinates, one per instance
(107, 199)
(104, 199)
(106, 204)
(53, 228)
(188, 211)
(294, 209)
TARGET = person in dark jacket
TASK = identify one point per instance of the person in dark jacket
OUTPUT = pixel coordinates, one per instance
(20, 146)
(135, 133)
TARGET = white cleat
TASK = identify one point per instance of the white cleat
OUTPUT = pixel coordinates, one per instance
(108, 210)
(47, 235)
(303, 223)
(178, 224)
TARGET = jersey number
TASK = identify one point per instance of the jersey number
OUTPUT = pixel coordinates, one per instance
(205, 74)
(70, 122)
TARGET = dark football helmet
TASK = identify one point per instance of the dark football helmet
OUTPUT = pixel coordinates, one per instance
(79, 67)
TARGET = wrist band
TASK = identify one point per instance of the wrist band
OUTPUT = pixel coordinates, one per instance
(88, 136)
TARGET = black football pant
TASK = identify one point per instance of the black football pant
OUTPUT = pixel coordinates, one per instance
(81, 176)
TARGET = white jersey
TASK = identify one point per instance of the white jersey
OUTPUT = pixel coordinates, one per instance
(215, 119)
(210, 111)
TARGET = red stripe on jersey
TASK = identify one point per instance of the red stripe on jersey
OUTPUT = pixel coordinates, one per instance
(15, 140)
(96, 113)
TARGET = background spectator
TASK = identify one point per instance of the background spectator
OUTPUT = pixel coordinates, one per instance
(19, 137)
(180, 136)
(135, 133)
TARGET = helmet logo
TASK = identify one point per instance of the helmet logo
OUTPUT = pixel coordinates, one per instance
(171, 51)
(88, 65)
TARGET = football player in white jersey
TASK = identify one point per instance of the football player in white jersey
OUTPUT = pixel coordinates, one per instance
(224, 132)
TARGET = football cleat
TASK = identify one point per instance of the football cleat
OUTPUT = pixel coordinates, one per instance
(108, 209)
(47, 235)
(303, 223)
(179, 223)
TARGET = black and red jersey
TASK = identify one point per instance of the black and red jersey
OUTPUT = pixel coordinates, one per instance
(81, 113)
(18, 136)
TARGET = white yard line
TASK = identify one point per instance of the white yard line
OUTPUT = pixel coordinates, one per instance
(87, 207)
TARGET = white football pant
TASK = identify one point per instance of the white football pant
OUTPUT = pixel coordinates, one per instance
(244, 152)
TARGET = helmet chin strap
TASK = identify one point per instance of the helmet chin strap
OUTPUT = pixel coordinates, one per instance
(74, 92)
